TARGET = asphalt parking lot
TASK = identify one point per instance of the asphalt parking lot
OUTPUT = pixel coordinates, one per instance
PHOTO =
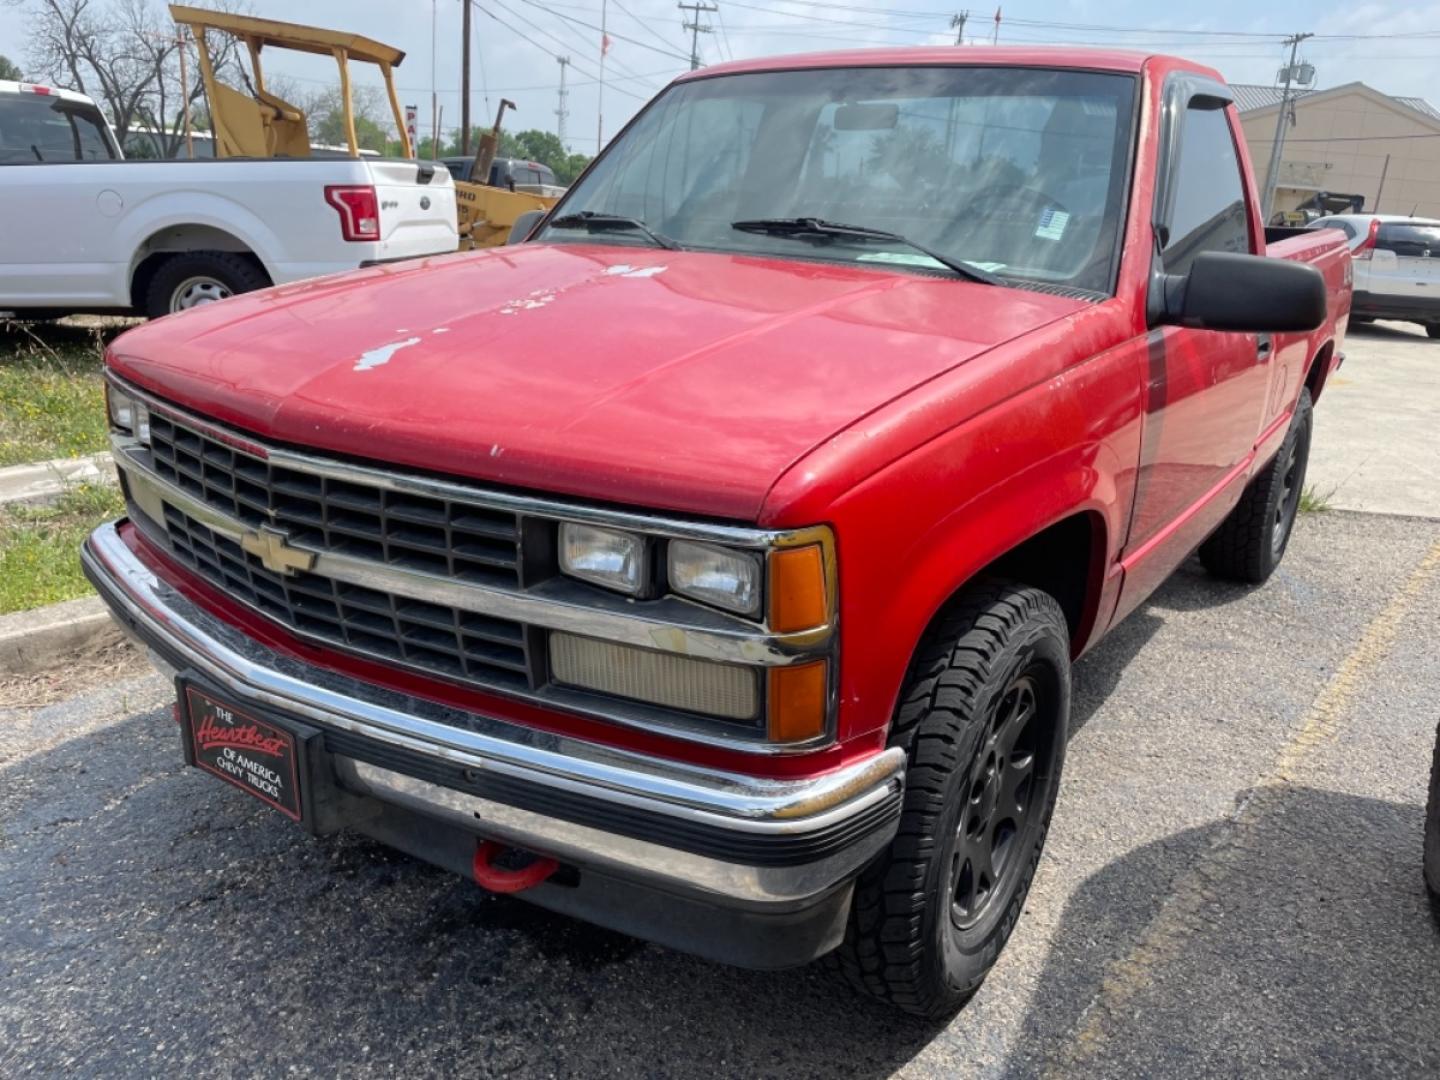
(1232, 884)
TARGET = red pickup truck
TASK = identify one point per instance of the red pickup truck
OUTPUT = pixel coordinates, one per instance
(711, 564)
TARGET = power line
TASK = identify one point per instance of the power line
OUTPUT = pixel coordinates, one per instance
(528, 39)
(643, 24)
(724, 35)
(614, 34)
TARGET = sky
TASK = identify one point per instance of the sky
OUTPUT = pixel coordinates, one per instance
(515, 43)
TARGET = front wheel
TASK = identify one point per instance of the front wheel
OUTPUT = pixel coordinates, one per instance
(194, 278)
(1433, 329)
(983, 717)
(1251, 541)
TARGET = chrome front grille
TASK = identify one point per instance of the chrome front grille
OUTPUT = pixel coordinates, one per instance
(416, 532)
(444, 640)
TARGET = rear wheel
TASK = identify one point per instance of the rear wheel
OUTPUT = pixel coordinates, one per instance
(983, 717)
(1251, 541)
(195, 278)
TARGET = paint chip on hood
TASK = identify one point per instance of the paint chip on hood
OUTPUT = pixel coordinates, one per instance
(382, 354)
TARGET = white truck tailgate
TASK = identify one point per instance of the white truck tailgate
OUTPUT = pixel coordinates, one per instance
(417, 207)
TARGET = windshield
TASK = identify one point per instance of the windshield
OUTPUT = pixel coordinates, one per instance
(1018, 171)
(42, 127)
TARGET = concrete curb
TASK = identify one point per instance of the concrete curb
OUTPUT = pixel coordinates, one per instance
(44, 637)
(42, 481)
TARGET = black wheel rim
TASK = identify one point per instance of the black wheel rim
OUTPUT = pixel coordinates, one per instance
(1289, 502)
(1004, 797)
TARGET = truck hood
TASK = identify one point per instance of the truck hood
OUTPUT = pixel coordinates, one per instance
(682, 381)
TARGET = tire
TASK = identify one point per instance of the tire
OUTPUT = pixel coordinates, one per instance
(1432, 330)
(1432, 832)
(200, 277)
(1251, 541)
(923, 933)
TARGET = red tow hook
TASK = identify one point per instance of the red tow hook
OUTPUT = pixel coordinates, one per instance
(496, 879)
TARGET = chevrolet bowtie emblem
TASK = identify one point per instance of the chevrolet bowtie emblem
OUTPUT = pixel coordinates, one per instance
(272, 548)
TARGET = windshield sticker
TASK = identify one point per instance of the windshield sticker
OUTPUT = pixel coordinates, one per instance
(907, 258)
(1052, 224)
(900, 258)
(381, 355)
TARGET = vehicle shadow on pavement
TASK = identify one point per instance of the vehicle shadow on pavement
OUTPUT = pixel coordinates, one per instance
(1296, 938)
(154, 918)
(1388, 331)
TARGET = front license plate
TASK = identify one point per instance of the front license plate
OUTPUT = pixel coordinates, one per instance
(255, 755)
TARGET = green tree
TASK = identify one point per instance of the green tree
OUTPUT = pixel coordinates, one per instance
(9, 70)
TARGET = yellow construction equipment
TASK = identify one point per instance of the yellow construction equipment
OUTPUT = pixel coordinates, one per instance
(260, 124)
(486, 212)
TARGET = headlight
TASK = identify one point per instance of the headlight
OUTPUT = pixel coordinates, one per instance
(717, 576)
(616, 560)
(127, 414)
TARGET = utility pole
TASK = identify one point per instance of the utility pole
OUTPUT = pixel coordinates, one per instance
(696, 29)
(465, 78)
(179, 42)
(434, 94)
(600, 90)
(1272, 174)
(562, 111)
(185, 102)
(957, 23)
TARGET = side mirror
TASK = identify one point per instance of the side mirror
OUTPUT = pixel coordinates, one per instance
(524, 226)
(1242, 294)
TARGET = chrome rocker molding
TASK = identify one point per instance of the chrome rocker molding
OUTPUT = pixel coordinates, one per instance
(857, 807)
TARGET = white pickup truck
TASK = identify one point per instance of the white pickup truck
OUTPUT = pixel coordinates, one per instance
(83, 230)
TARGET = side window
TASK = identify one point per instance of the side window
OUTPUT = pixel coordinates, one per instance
(1208, 213)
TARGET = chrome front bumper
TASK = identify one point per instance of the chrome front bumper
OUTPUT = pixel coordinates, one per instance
(725, 838)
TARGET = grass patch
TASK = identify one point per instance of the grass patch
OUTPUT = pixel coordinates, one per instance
(52, 402)
(1313, 501)
(40, 546)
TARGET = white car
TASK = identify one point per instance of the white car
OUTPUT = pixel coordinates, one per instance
(1397, 267)
(83, 230)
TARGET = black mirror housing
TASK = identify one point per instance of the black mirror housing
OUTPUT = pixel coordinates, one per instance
(524, 226)
(1241, 294)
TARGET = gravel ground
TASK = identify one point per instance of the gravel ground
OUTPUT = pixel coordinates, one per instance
(1232, 886)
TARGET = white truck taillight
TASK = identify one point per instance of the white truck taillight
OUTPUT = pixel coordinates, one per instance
(359, 210)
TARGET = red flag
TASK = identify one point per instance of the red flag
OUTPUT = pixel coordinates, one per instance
(604, 43)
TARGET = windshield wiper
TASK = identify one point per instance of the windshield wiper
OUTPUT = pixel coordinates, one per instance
(594, 221)
(818, 227)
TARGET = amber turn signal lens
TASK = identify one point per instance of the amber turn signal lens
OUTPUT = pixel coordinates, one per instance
(797, 702)
(797, 589)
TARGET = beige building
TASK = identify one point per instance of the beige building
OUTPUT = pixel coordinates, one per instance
(1352, 140)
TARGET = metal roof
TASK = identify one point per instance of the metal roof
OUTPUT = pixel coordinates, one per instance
(1249, 97)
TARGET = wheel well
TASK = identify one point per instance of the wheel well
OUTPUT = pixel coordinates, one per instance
(1315, 377)
(174, 240)
(1061, 560)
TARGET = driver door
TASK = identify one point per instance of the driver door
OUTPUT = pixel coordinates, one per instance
(1205, 390)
